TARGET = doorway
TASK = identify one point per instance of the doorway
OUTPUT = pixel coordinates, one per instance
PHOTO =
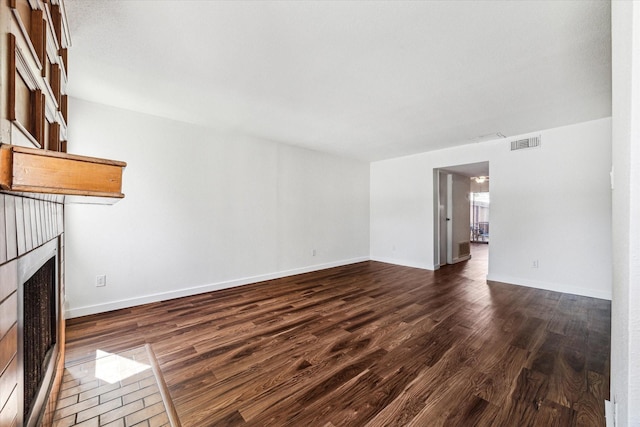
(480, 204)
(461, 211)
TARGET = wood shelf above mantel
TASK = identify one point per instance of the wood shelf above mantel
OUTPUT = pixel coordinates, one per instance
(29, 170)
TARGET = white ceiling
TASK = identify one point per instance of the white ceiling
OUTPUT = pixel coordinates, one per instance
(367, 80)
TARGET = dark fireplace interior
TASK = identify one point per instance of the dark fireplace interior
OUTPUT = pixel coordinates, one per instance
(39, 333)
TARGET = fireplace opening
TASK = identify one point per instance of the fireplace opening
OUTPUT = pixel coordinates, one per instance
(38, 326)
(39, 329)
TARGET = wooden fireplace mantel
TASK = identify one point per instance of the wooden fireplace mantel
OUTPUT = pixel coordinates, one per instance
(31, 170)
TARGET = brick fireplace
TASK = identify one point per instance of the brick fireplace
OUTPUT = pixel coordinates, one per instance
(31, 315)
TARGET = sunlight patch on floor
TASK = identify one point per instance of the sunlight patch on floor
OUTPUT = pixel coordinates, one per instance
(113, 368)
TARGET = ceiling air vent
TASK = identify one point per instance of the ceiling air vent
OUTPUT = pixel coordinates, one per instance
(532, 142)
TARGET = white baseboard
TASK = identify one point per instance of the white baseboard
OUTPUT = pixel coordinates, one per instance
(194, 290)
(462, 258)
(548, 286)
(404, 263)
(72, 312)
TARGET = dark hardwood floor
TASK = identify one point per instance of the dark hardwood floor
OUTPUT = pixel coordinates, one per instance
(372, 344)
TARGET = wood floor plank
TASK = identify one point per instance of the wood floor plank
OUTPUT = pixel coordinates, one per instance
(371, 344)
(499, 377)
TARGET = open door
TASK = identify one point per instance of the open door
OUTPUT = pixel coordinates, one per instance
(453, 218)
(458, 209)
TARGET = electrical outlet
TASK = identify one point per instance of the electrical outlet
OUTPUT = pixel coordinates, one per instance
(612, 178)
(535, 264)
(313, 252)
(101, 280)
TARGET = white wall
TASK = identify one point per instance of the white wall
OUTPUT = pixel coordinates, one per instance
(550, 204)
(625, 317)
(204, 211)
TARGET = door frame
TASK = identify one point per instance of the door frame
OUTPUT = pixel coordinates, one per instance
(438, 233)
